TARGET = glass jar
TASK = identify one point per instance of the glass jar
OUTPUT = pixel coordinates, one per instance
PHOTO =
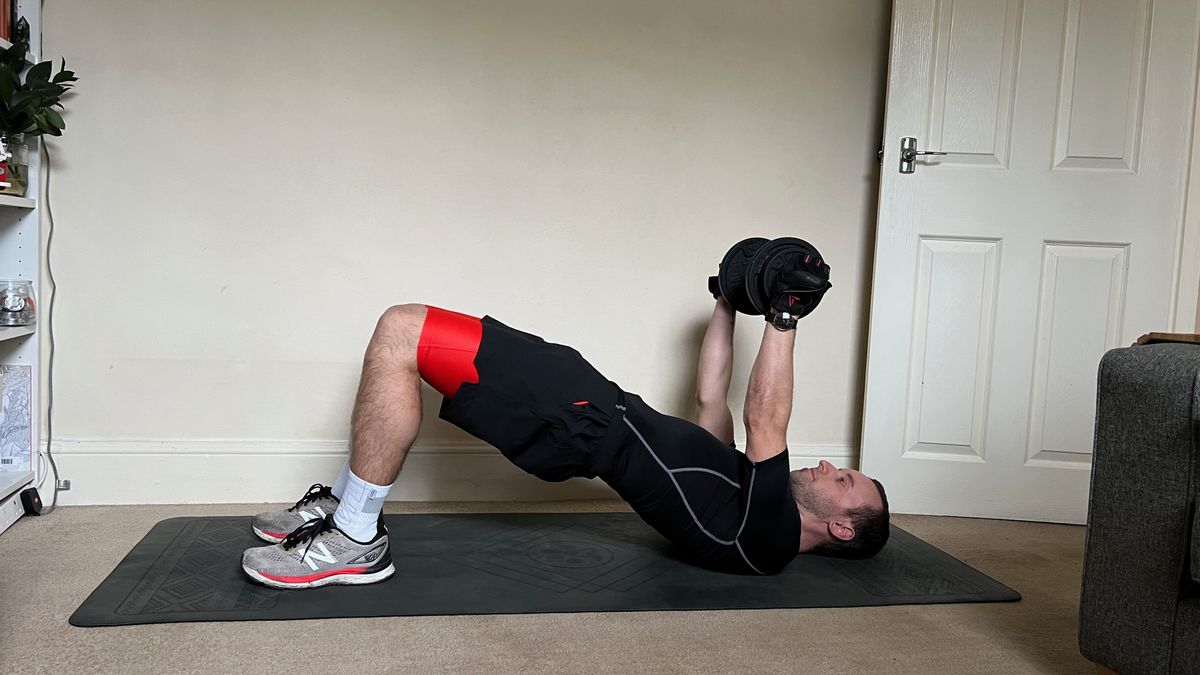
(17, 306)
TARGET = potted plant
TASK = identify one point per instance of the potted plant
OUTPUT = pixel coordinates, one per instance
(28, 98)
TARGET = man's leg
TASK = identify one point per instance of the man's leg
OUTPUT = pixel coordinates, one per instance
(351, 546)
(714, 373)
(339, 486)
(385, 421)
(387, 410)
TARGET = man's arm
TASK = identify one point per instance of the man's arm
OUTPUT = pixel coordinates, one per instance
(714, 373)
(769, 395)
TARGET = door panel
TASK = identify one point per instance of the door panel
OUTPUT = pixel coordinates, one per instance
(1045, 235)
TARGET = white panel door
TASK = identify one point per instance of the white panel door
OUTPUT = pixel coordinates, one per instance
(1046, 235)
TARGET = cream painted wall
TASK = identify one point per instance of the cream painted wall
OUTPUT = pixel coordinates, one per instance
(244, 187)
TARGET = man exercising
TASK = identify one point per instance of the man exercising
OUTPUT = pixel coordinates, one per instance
(552, 414)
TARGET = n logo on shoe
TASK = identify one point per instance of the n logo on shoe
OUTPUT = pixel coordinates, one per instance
(306, 515)
(323, 555)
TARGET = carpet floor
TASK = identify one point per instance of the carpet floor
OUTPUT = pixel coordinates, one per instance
(53, 563)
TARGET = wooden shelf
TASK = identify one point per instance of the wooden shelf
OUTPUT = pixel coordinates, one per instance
(19, 202)
(11, 481)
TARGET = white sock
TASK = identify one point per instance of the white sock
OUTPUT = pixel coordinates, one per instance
(339, 486)
(358, 513)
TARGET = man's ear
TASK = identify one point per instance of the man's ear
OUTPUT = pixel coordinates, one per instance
(841, 529)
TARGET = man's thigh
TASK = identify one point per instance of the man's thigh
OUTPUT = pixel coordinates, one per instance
(541, 404)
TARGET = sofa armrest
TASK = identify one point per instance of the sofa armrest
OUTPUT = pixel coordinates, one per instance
(1141, 548)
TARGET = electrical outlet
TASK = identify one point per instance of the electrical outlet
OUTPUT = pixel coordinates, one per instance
(64, 485)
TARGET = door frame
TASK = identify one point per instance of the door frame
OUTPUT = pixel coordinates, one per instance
(1185, 306)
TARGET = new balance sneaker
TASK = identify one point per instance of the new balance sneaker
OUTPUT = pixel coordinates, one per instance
(319, 554)
(273, 526)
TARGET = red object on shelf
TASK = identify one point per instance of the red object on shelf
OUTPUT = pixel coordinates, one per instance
(6, 19)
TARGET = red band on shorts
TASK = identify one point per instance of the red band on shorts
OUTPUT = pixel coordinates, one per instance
(447, 348)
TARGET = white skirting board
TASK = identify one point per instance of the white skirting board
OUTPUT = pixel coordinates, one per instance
(230, 471)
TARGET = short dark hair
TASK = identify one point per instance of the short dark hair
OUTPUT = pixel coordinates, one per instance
(871, 530)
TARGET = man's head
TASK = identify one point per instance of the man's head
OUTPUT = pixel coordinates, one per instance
(846, 505)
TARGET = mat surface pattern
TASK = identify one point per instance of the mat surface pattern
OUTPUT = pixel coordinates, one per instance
(189, 569)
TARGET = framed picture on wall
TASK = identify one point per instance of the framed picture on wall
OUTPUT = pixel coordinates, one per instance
(15, 420)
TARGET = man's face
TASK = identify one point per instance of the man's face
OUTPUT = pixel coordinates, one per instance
(830, 493)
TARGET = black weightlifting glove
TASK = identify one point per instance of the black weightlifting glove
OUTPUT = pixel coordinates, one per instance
(800, 288)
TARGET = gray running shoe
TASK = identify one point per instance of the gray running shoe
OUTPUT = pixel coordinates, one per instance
(319, 554)
(317, 503)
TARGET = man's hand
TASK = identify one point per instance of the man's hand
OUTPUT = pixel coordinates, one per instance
(798, 290)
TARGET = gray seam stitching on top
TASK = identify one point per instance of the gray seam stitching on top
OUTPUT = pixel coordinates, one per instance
(739, 548)
(678, 489)
(745, 517)
(683, 496)
(718, 474)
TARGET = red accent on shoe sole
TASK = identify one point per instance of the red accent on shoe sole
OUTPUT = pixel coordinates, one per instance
(314, 577)
(273, 534)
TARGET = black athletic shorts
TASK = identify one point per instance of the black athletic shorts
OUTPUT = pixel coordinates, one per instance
(553, 415)
(541, 404)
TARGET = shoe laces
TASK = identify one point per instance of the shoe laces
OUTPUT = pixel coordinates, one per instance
(317, 491)
(308, 532)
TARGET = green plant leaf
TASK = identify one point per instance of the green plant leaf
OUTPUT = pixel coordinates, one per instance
(16, 54)
(67, 75)
(29, 95)
(48, 90)
(55, 119)
(39, 73)
(21, 101)
(8, 84)
(43, 125)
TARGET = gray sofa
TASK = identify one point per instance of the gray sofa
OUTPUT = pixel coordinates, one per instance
(1140, 599)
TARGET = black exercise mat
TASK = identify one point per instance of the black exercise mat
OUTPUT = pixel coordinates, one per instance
(189, 569)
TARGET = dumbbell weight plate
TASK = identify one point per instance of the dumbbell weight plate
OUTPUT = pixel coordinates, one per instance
(769, 260)
(732, 275)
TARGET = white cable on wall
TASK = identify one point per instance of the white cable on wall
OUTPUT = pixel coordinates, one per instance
(50, 327)
(53, 289)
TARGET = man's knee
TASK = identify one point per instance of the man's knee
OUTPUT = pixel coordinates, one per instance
(400, 327)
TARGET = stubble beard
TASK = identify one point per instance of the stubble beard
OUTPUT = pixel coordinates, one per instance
(820, 505)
